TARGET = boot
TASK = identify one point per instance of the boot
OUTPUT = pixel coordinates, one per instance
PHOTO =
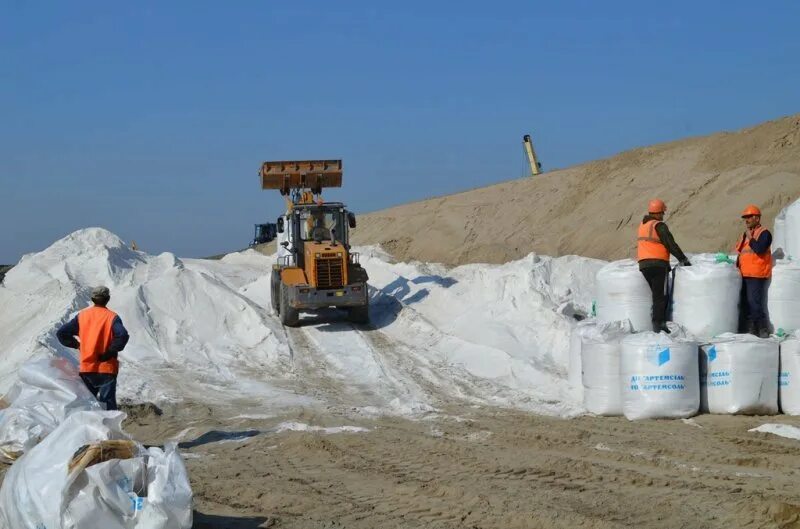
(660, 326)
(752, 328)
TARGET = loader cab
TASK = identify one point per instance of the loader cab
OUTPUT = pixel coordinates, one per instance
(307, 223)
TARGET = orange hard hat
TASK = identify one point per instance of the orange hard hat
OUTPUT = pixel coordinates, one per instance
(656, 206)
(750, 211)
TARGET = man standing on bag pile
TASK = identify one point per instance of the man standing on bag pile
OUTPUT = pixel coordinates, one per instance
(755, 265)
(655, 244)
(102, 336)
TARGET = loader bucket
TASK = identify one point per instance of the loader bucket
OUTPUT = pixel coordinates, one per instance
(301, 174)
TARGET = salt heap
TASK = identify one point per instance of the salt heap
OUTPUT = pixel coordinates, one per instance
(203, 330)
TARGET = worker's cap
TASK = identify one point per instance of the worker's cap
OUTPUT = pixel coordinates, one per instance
(101, 293)
(656, 206)
(751, 211)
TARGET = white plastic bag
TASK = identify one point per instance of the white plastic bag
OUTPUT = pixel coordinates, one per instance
(600, 361)
(739, 375)
(660, 377)
(575, 375)
(150, 491)
(705, 297)
(48, 390)
(623, 294)
(789, 379)
(783, 297)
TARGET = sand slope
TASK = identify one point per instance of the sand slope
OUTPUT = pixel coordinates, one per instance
(593, 209)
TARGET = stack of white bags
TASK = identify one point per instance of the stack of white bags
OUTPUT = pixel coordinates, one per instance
(620, 367)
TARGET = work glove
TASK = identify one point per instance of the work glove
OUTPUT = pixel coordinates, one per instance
(105, 357)
(686, 262)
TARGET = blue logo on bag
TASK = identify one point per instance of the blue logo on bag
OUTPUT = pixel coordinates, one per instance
(712, 353)
(663, 357)
(658, 358)
(137, 503)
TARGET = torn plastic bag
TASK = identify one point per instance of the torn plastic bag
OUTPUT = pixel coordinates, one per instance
(48, 390)
(147, 491)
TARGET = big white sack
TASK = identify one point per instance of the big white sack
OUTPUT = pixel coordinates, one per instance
(779, 233)
(600, 361)
(789, 380)
(660, 377)
(574, 372)
(147, 492)
(622, 293)
(706, 297)
(783, 296)
(792, 229)
(739, 374)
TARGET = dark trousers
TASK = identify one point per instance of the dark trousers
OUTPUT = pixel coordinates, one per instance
(754, 294)
(656, 277)
(103, 386)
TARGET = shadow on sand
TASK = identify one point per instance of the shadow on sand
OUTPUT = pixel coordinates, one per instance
(216, 436)
(214, 521)
(385, 304)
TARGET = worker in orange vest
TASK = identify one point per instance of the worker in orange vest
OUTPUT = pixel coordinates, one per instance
(755, 265)
(100, 337)
(655, 244)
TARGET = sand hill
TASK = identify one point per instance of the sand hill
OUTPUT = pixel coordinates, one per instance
(594, 208)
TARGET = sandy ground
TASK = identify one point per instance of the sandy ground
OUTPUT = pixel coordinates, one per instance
(480, 468)
(593, 209)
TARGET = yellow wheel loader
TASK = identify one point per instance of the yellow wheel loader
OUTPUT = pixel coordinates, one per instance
(315, 269)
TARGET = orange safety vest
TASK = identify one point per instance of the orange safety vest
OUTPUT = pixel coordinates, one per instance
(753, 264)
(650, 245)
(95, 334)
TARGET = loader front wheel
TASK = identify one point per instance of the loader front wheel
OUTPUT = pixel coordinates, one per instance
(289, 315)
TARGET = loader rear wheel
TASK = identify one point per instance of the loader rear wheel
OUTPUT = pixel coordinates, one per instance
(289, 315)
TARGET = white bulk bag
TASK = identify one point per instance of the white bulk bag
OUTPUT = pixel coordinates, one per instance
(48, 390)
(574, 373)
(705, 297)
(783, 297)
(789, 379)
(739, 374)
(600, 359)
(150, 491)
(779, 233)
(792, 229)
(623, 294)
(660, 377)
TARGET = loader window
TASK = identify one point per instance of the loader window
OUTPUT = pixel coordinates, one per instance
(318, 223)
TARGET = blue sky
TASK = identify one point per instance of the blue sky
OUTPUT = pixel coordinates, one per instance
(151, 118)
